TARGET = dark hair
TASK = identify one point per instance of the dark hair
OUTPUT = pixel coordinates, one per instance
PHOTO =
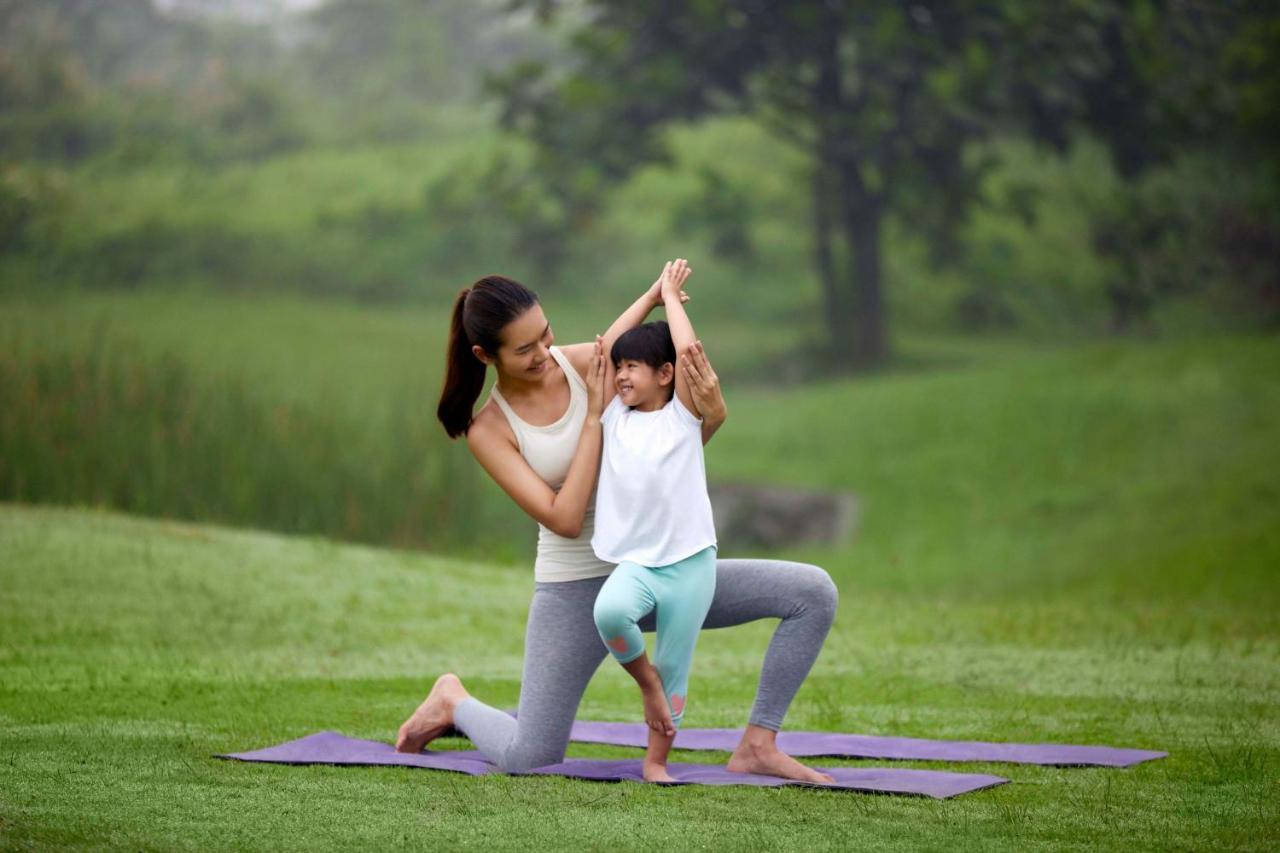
(479, 315)
(650, 343)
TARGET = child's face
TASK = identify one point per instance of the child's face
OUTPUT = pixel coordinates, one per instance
(640, 385)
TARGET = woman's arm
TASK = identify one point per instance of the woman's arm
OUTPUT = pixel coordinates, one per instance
(705, 386)
(563, 511)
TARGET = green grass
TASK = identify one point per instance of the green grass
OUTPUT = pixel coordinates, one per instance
(1073, 544)
(1141, 473)
(132, 650)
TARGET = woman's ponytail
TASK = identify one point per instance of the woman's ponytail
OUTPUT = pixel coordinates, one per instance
(463, 375)
(479, 315)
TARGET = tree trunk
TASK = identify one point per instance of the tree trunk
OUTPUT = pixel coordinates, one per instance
(824, 259)
(864, 316)
(855, 310)
(871, 344)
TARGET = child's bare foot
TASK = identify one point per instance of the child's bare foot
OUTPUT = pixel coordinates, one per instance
(434, 716)
(657, 714)
(656, 773)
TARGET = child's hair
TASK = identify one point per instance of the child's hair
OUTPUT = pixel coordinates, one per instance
(479, 315)
(650, 343)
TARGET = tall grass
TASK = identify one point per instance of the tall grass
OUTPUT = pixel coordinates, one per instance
(105, 425)
(985, 466)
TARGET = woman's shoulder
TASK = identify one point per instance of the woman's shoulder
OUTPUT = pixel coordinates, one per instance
(579, 356)
(489, 424)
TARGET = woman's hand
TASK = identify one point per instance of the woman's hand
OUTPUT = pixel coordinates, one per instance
(705, 388)
(595, 381)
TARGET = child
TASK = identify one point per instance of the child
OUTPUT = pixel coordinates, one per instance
(653, 517)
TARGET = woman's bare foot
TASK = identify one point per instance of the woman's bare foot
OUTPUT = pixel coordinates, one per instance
(434, 716)
(657, 713)
(758, 752)
(656, 773)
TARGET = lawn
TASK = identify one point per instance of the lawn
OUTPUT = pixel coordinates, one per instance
(134, 649)
(1072, 544)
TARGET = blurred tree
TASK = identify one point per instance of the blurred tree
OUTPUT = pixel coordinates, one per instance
(386, 66)
(722, 210)
(1155, 80)
(80, 78)
(886, 96)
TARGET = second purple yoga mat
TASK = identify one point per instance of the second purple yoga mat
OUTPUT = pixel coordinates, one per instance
(834, 745)
(334, 748)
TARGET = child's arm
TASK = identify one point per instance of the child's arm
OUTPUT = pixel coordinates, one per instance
(627, 320)
(673, 278)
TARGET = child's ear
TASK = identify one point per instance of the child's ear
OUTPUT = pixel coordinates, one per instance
(666, 374)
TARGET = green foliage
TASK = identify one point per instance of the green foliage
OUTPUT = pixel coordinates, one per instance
(889, 103)
(122, 80)
(722, 210)
(160, 150)
(104, 426)
(1189, 230)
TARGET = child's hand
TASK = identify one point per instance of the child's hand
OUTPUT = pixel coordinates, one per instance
(655, 289)
(673, 277)
(595, 380)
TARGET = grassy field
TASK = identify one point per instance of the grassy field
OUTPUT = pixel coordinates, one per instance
(300, 415)
(135, 649)
(1054, 544)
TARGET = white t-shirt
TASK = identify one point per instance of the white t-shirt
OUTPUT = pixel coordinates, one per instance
(651, 501)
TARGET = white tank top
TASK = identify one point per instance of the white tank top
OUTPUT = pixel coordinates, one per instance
(549, 450)
(651, 505)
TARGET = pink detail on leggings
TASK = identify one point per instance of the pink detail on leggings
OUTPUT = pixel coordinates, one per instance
(619, 645)
(677, 703)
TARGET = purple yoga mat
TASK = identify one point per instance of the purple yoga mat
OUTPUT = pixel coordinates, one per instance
(334, 748)
(829, 744)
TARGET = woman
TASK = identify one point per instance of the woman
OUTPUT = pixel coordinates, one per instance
(538, 435)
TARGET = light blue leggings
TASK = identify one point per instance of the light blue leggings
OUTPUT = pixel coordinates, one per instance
(681, 593)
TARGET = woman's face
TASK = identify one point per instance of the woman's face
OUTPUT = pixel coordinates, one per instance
(526, 346)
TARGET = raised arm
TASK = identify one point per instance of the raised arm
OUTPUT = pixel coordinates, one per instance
(563, 511)
(673, 278)
(629, 319)
(580, 354)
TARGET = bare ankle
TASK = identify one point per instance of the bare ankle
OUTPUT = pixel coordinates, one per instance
(759, 738)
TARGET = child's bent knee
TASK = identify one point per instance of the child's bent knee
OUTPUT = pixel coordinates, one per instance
(610, 617)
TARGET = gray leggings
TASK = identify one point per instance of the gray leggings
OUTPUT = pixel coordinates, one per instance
(562, 650)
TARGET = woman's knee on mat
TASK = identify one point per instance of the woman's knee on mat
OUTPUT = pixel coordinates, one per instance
(518, 760)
